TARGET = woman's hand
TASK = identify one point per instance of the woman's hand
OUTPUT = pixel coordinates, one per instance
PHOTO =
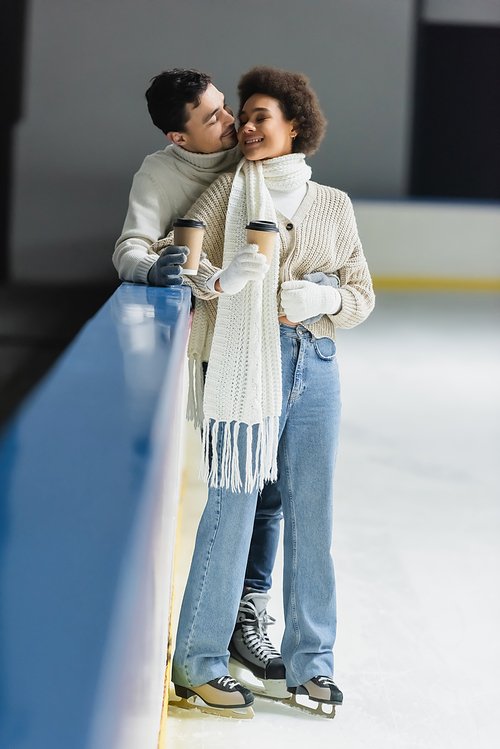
(247, 265)
(303, 299)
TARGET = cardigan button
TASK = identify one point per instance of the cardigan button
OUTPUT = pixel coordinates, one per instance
(289, 227)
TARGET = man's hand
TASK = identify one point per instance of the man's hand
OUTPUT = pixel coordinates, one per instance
(303, 300)
(247, 265)
(167, 269)
(323, 279)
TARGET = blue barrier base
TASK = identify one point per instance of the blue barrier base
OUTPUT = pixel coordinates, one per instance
(80, 474)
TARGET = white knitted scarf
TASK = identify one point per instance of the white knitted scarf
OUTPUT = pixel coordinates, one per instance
(242, 395)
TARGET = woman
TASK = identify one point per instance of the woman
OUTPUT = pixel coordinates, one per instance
(270, 406)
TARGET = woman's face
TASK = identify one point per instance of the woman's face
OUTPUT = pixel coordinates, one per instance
(263, 132)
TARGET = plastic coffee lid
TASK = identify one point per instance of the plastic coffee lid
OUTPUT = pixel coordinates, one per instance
(190, 223)
(262, 226)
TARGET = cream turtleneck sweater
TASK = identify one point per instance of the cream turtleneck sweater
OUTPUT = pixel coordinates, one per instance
(164, 188)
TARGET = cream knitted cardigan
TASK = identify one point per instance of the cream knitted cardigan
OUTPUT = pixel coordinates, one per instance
(324, 238)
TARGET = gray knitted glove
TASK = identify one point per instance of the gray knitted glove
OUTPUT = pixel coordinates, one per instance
(167, 269)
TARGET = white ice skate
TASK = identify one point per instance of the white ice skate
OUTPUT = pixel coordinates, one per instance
(318, 696)
(254, 661)
(223, 697)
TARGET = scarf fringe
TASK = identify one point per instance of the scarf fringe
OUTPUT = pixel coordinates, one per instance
(194, 411)
(221, 445)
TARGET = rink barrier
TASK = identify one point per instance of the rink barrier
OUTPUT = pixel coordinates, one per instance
(89, 483)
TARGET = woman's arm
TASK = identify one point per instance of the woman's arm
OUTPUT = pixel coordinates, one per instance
(337, 248)
(211, 208)
(356, 288)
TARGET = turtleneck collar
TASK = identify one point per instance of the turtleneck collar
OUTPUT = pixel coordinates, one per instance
(207, 160)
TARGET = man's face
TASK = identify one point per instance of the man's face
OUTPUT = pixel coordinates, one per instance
(210, 127)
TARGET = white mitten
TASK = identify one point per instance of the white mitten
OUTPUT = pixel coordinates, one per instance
(303, 299)
(247, 265)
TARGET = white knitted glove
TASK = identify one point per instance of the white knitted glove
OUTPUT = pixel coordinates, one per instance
(247, 265)
(303, 299)
(323, 279)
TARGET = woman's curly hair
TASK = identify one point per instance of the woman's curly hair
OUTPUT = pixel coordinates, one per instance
(297, 101)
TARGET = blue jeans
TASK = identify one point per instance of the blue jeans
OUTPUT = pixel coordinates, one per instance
(309, 426)
(265, 538)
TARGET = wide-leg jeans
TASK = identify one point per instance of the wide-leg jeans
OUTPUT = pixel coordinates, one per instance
(309, 427)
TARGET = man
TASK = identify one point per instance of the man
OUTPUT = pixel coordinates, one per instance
(193, 115)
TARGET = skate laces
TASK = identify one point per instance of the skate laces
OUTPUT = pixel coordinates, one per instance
(255, 632)
(226, 682)
(325, 681)
(263, 619)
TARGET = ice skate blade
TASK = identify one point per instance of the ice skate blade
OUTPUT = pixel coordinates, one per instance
(320, 708)
(273, 689)
(223, 712)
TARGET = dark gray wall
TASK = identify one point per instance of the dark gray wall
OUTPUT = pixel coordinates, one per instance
(86, 128)
(470, 12)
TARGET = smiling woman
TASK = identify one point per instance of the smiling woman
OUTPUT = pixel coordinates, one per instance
(270, 406)
(295, 99)
(263, 132)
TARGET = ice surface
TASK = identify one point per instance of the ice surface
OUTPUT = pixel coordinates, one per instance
(416, 541)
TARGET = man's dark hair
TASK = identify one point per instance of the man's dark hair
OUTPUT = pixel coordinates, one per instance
(169, 93)
(296, 99)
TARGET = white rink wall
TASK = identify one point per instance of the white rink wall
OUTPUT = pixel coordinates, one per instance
(436, 241)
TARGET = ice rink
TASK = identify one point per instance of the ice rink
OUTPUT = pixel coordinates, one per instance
(416, 540)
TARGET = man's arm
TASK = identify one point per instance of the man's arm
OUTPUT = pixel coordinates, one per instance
(149, 216)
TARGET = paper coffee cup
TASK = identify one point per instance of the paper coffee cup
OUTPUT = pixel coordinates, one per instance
(263, 233)
(189, 233)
